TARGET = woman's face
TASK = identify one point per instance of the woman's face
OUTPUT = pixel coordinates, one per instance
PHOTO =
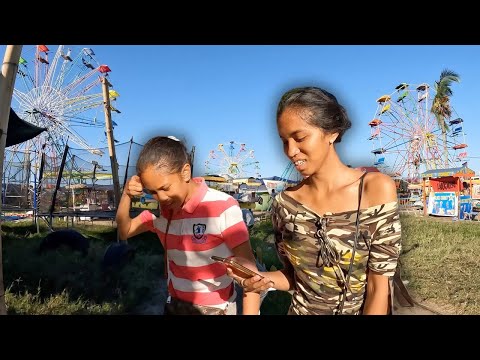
(305, 145)
(170, 190)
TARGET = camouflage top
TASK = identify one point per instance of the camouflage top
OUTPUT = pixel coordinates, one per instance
(318, 287)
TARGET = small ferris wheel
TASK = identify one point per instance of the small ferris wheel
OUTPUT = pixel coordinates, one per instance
(232, 160)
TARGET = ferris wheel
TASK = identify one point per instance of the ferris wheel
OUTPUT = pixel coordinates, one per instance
(406, 138)
(61, 90)
(232, 160)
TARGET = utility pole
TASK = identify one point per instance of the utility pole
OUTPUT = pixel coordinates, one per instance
(7, 82)
(110, 140)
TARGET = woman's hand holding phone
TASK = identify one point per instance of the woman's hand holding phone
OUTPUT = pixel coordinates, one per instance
(246, 274)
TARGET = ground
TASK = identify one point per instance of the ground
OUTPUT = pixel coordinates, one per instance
(154, 306)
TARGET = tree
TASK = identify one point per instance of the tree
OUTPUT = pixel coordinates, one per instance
(441, 105)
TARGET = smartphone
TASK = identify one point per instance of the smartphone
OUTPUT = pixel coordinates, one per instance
(246, 272)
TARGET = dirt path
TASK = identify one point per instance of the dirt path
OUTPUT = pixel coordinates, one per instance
(155, 305)
(415, 310)
(424, 308)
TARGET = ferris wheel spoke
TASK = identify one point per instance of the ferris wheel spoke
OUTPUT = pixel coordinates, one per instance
(73, 136)
(22, 98)
(26, 77)
(78, 105)
(52, 67)
(79, 81)
(87, 87)
(398, 115)
(70, 64)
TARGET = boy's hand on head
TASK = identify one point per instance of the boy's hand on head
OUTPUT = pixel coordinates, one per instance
(134, 186)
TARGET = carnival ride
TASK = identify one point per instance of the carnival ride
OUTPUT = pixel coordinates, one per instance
(60, 90)
(232, 160)
(406, 138)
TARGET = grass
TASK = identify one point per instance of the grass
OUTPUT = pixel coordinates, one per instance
(439, 259)
(261, 237)
(64, 282)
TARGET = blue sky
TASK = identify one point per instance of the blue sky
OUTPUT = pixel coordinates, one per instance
(216, 94)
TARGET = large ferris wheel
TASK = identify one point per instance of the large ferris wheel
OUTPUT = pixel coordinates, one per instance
(60, 90)
(406, 137)
(232, 160)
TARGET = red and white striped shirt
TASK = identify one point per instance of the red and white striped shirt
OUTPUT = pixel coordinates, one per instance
(210, 223)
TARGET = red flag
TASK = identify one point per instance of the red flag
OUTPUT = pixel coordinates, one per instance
(43, 48)
(104, 69)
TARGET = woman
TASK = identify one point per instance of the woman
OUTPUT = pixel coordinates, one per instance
(329, 268)
(195, 223)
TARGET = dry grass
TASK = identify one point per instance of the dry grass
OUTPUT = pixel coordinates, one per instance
(440, 261)
(63, 282)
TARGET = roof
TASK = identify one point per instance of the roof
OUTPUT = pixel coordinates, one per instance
(214, 178)
(97, 187)
(462, 171)
(368, 168)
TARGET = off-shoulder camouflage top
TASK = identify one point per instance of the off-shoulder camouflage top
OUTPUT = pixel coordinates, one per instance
(299, 234)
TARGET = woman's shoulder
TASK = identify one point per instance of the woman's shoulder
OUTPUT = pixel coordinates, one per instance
(379, 189)
(285, 201)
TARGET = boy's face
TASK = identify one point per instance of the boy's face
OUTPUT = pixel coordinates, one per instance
(170, 190)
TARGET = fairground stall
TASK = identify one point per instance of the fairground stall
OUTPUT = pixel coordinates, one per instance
(448, 192)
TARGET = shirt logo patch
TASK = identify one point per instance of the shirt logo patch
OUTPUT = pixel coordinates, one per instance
(199, 236)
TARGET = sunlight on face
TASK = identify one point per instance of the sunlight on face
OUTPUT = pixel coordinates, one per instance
(170, 190)
(304, 144)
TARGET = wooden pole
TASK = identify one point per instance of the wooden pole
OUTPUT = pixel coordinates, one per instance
(7, 83)
(110, 140)
(424, 197)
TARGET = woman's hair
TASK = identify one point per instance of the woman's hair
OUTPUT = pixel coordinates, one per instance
(165, 153)
(319, 107)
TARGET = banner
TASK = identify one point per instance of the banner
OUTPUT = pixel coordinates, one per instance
(443, 204)
(465, 206)
(274, 185)
(446, 184)
(476, 191)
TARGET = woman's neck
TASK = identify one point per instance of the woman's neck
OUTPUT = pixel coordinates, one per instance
(331, 174)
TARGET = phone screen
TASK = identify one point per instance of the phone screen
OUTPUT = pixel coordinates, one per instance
(236, 267)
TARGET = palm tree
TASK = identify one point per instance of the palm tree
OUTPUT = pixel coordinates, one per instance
(441, 104)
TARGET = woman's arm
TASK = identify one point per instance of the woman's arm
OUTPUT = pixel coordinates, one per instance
(386, 244)
(377, 300)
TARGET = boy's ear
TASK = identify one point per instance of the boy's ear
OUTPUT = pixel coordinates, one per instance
(187, 172)
(333, 137)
